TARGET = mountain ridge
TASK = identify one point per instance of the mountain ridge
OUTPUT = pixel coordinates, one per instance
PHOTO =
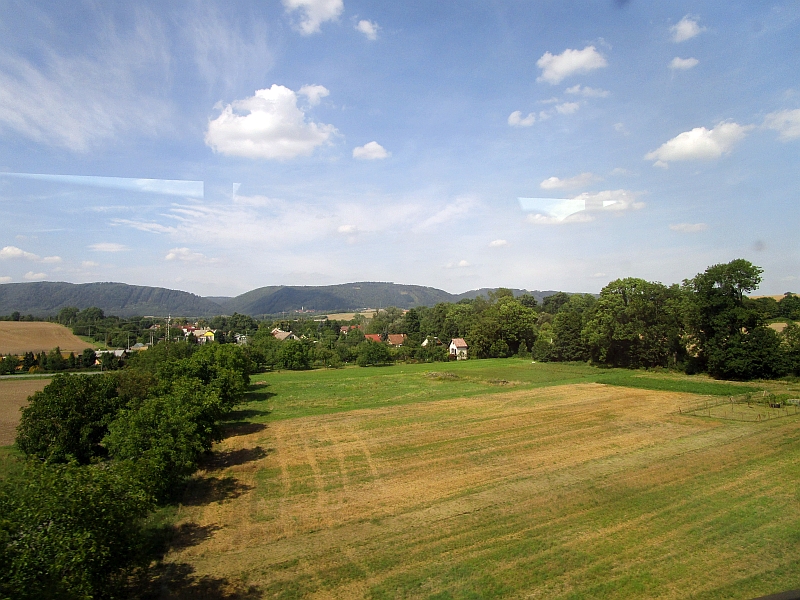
(46, 298)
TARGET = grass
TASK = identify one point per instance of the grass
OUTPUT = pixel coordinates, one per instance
(292, 394)
(490, 479)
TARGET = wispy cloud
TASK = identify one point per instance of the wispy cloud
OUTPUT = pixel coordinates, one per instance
(186, 255)
(368, 28)
(108, 247)
(515, 119)
(785, 122)
(31, 276)
(498, 243)
(555, 183)
(587, 92)
(683, 64)
(689, 227)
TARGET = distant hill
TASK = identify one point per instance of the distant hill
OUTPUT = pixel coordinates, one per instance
(44, 298)
(47, 298)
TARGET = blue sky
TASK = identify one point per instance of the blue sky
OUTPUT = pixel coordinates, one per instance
(219, 147)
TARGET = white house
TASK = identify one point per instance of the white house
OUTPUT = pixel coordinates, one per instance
(458, 348)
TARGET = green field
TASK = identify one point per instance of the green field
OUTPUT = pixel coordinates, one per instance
(488, 479)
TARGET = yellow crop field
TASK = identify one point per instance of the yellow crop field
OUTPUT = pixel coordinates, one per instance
(17, 337)
(571, 491)
(13, 396)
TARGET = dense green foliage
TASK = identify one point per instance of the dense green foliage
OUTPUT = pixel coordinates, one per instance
(102, 450)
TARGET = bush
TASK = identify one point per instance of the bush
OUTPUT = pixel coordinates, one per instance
(373, 354)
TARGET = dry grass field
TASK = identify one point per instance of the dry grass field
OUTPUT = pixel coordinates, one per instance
(572, 491)
(349, 316)
(13, 396)
(17, 337)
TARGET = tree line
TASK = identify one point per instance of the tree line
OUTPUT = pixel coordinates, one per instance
(102, 452)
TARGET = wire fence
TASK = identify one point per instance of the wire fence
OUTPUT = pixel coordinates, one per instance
(753, 408)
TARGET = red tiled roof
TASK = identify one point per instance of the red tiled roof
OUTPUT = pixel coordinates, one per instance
(397, 339)
(459, 342)
(375, 337)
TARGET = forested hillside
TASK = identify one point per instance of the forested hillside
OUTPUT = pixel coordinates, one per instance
(46, 298)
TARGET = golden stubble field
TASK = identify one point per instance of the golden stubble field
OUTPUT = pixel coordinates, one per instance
(17, 337)
(571, 491)
(13, 396)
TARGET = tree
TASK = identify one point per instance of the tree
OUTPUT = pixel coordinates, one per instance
(635, 323)
(373, 354)
(716, 315)
(68, 419)
(294, 355)
(553, 303)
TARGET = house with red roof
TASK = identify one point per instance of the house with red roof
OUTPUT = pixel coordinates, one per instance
(396, 339)
(458, 348)
(374, 337)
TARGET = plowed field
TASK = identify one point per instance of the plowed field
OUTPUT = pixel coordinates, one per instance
(17, 337)
(13, 396)
(573, 491)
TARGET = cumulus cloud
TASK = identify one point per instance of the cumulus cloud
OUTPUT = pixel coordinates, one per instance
(686, 29)
(683, 64)
(108, 247)
(368, 28)
(700, 143)
(51, 259)
(555, 183)
(10, 252)
(31, 276)
(587, 92)
(567, 108)
(267, 125)
(315, 12)
(515, 119)
(557, 67)
(371, 151)
(5, 279)
(785, 122)
(314, 93)
(185, 254)
(498, 243)
(689, 227)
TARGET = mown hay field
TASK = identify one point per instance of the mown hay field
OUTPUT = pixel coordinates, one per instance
(13, 396)
(369, 483)
(18, 337)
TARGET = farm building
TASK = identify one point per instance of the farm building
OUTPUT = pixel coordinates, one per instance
(431, 340)
(374, 337)
(396, 339)
(458, 348)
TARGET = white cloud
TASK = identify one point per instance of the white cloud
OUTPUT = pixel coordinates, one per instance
(271, 126)
(785, 122)
(686, 29)
(587, 92)
(368, 28)
(5, 279)
(89, 264)
(700, 143)
(683, 64)
(108, 247)
(51, 259)
(347, 229)
(371, 151)
(78, 102)
(550, 211)
(185, 254)
(314, 93)
(459, 265)
(555, 183)
(567, 108)
(557, 67)
(10, 252)
(455, 210)
(31, 276)
(598, 275)
(315, 12)
(620, 128)
(689, 227)
(515, 119)
(498, 243)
